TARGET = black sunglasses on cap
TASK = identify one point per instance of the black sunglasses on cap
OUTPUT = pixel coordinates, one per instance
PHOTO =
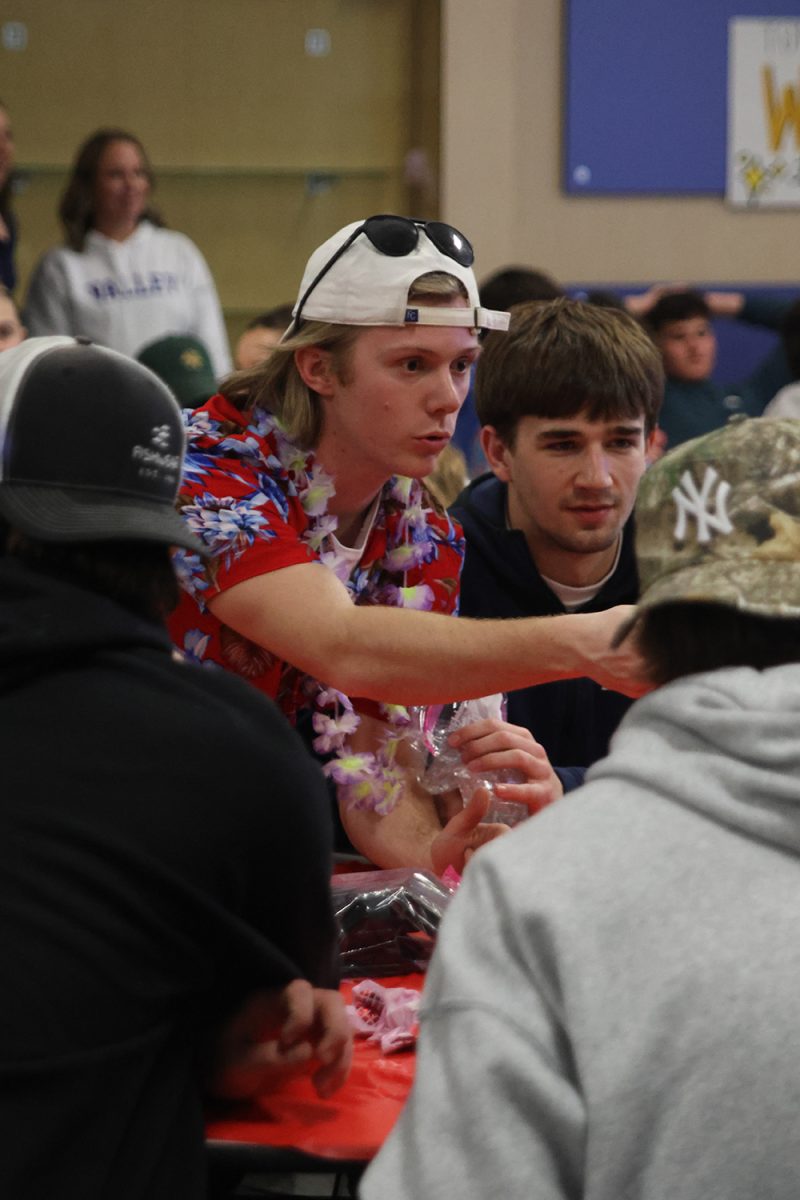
(395, 237)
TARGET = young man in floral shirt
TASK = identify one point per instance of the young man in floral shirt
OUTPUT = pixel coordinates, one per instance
(333, 574)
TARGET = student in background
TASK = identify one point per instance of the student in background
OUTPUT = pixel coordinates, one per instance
(261, 337)
(518, 285)
(449, 477)
(182, 362)
(8, 221)
(679, 322)
(12, 331)
(121, 278)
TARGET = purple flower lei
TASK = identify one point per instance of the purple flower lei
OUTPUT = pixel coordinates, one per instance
(366, 780)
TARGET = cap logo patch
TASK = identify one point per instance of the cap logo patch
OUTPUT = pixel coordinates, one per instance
(152, 459)
(692, 502)
(192, 360)
(412, 316)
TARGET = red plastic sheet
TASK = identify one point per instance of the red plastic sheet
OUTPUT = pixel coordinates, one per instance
(352, 1124)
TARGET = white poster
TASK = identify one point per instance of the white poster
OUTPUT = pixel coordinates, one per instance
(763, 113)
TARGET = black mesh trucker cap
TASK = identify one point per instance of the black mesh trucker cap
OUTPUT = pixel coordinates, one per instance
(91, 446)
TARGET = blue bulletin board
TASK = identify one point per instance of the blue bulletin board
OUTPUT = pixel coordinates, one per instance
(646, 92)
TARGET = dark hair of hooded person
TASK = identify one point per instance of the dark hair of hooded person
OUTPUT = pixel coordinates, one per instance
(562, 358)
(687, 638)
(135, 574)
(676, 306)
(517, 285)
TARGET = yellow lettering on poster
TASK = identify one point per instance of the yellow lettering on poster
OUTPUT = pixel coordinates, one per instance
(780, 110)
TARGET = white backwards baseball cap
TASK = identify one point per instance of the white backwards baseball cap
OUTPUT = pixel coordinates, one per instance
(91, 446)
(362, 275)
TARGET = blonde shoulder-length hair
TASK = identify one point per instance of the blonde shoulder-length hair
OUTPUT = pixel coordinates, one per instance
(277, 385)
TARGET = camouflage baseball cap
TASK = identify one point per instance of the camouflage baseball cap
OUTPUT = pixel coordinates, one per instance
(718, 521)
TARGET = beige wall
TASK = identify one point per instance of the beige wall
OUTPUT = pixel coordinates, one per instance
(501, 147)
(235, 114)
(236, 117)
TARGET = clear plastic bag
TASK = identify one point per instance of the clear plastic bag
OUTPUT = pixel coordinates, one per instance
(387, 920)
(440, 768)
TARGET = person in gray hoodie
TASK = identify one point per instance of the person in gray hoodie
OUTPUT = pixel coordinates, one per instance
(612, 1009)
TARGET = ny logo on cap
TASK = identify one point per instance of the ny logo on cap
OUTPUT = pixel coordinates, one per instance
(159, 436)
(694, 503)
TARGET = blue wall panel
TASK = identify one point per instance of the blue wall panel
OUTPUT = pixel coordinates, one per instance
(646, 92)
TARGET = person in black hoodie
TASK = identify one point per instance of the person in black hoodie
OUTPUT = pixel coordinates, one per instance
(567, 400)
(167, 929)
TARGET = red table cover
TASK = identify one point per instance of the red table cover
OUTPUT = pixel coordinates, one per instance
(352, 1124)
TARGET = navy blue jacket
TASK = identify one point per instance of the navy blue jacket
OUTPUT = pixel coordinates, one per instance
(574, 718)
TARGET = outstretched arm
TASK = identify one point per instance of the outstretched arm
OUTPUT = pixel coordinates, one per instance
(304, 615)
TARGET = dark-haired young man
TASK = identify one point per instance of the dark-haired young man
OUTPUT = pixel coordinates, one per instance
(680, 324)
(167, 926)
(624, 970)
(567, 400)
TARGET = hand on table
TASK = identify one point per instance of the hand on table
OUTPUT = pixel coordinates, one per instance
(280, 1032)
(496, 745)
